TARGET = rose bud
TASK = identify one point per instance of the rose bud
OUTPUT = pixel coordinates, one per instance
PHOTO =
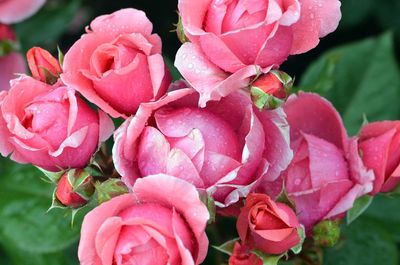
(267, 225)
(11, 62)
(43, 65)
(230, 42)
(162, 222)
(380, 150)
(74, 188)
(225, 149)
(49, 126)
(270, 84)
(326, 233)
(242, 256)
(118, 64)
(326, 175)
(13, 11)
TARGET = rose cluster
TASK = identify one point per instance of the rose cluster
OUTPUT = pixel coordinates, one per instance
(228, 139)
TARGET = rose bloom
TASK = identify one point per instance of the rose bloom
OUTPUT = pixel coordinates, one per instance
(13, 11)
(226, 149)
(49, 126)
(162, 222)
(118, 64)
(380, 149)
(11, 63)
(267, 225)
(242, 256)
(230, 41)
(326, 175)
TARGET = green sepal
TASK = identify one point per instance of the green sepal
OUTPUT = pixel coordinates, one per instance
(55, 203)
(359, 206)
(77, 180)
(94, 170)
(54, 177)
(109, 189)
(269, 259)
(210, 203)
(49, 77)
(263, 100)
(60, 56)
(179, 30)
(227, 247)
(284, 198)
(302, 234)
(7, 47)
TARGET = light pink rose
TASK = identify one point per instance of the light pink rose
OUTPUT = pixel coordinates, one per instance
(326, 175)
(49, 126)
(12, 11)
(226, 148)
(12, 63)
(380, 148)
(118, 64)
(162, 222)
(232, 40)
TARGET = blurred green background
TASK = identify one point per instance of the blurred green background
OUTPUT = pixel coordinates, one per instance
(356, 68)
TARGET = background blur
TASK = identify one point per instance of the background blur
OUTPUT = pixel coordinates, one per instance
(356, 68)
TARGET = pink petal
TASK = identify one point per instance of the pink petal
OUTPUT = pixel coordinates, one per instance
(12, 11)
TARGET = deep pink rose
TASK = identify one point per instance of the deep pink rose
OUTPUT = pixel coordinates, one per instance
(162, 222)
(118, 64)
(380, 148)
(226, 148)
(12, 11)
(12, 63)
(49, 126)
(326, 175)
(232, 40)
(267, 225)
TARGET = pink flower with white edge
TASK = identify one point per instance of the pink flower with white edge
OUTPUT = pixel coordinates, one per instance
(49, 126)
(226, 148)
(380, 150)
(162, 222)
(118, 64)
(232, 40)
(326, 175)
(13, 11)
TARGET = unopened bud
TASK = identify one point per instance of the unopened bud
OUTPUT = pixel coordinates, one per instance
(74, 188)
(270, 84)
(326, 233)
(43, 65)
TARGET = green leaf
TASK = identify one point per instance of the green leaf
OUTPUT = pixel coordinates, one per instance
(47, 25)
(359, 207)
(227, 247)
(365, 242)
(366, 80)
(24, 223)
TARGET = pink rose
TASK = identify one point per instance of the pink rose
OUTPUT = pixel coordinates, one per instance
(232, 40)
(226, 148)
(49, 126)
(12, 11)
(267, 225)
(118, 64)
(380, 148)
(11, 63)
(242, 256)
(326, 175)
(162, 222)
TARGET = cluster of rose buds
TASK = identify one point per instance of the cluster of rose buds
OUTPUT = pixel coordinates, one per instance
(282, 164)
